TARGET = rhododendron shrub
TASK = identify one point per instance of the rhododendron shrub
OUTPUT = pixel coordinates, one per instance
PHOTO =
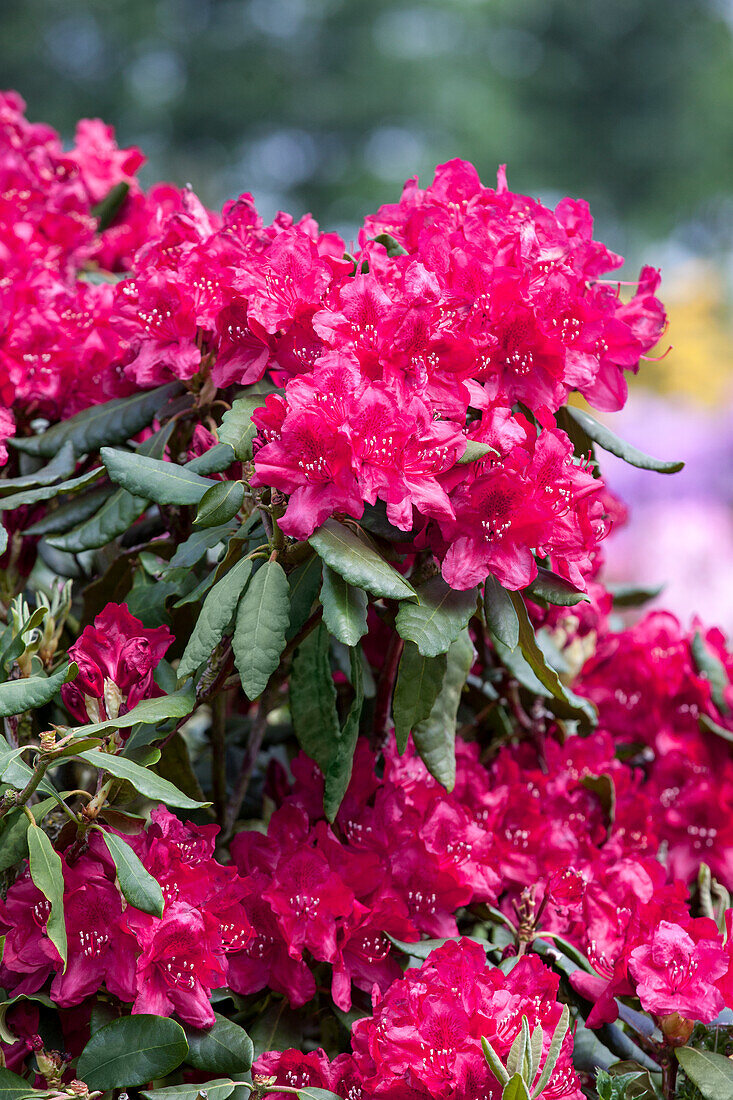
(329, 765)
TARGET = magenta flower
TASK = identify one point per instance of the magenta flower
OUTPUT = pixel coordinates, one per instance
(677, 970)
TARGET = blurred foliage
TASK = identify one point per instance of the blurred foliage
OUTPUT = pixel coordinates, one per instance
(329, 104)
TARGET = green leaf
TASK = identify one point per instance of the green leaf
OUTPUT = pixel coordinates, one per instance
(70, 512)
(419, 680)
(219, 1089)
(131, 1051)
(47, 874)
(138, 886)
(61, 465)
(501, 617)
(153, 479)
(214, 461)
(305, 583)
(176, 705)
(553, 1053)
(625, 595)
(393, 246)
(313, 698)
(18, 696)
(107, 209)
(118, 512)
(515, 1089)
(712, 1073)
(14, 832)
(494, 1062)
(551, 588)
(338, 769)
(220, 503)
(435, 622)
(113, 422)
(237, 428)
(435, 737)
(344, 607)
(607, 439)
(142, 779)
(310, 1092)
(216, 613)
(198, 544)
(577, 707)
(224, 1048)
(474, 451)
(259, 633)
(712, 669)
(353, 558)
(13, 1087)
(708, 724)
(45, 492)
(3, 540)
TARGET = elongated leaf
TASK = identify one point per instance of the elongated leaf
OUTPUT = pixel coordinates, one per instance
(17, 696)
(515, 1089)
(214, 461)
(119, 511)
(48, 876)
(344, 608)
(475, 450)
(70, 512)
(132, 1051)
(198, 544)
(14, 833)
(313, 698)
(712, 1073)
(142, 779)
(111, 423)
(46, 492)
(338, 770)
(305, 582)
(259, 633)
(435, 737)
(419, 680)
(435, 622)
(553, 1053)
(138, 886)
(518, 1051)
(712, 669)
(220, 503)
(607, 439)
(216, 614)
(61, 466)
(237, 428)
(109, 207)
(554, 589)
(501, 618)
(494, 1062)
(218, 1089)
(625, 595)
(3, 540)
(224, 1048)
(310, 1092)
(148, 711)
(163, 482)
(393, 246)
(351, 556)
(577, 706)
(13, 1087)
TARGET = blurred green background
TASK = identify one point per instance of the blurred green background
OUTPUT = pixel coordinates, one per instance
(329, 105)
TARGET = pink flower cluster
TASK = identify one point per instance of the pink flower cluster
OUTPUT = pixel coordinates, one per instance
(424, 1038)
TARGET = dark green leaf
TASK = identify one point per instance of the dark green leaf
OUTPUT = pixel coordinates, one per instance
(712, 669)
(344, 608)
(70, 512)
(305, 582)
(138, 886)
(14, 832)
(177, 705)
(435, 737)
(216, 614)
(352, 557)
(61, 465)
(142, 779)
(198, 544)
(607, 439)
(153, 479)
(17, 696)
(501, 617)
(435, 622)
(197, 594)
(218, 1089)
(310, 1092)
(113, 422)
(214, 461)
(45, 492)
(625, 595)
(313, 698)
(220, 503)
(237, 428)
(261, 623)
(132, 1051)
(419, 680)
(109, 207)
(47, 874)
(551, 588)
(224, 1048)
(13, 1087)
(338, 769)
(393, 246)
(712, 1073)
